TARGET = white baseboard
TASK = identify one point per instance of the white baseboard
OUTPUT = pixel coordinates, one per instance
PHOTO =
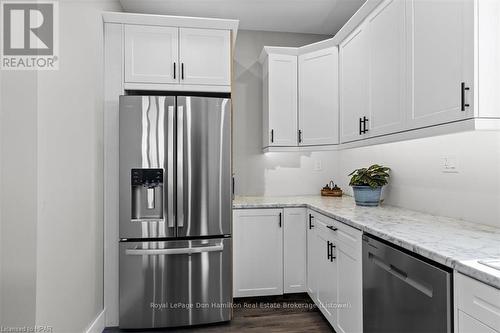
(98, 325)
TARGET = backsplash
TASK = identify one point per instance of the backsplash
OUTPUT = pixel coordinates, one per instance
(419, 181)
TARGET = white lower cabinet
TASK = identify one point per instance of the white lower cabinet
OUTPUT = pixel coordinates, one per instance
(477, 306)
(467, 324)
(257, 252)
(294, 250)
(327, 280)
(334, 279)
(313, 258)
(350, 289)
(269, 251)
(290, 250)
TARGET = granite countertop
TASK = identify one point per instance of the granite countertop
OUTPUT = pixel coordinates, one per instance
(454, 243)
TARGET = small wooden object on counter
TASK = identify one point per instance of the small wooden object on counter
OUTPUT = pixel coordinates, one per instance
(331, 190)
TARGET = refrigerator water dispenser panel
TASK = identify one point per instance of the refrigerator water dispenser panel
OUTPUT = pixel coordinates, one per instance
(147, 194)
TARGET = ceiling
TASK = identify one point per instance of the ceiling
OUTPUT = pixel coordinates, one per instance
(303, 16)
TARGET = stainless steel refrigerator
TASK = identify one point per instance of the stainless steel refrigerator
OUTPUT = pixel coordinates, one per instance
(175, 211)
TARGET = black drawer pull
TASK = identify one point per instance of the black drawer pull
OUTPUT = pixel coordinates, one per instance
(332, 228)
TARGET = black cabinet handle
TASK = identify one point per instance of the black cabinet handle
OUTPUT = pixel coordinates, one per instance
(362, 125)
(328, 251)
(331, 252)
(280, 221)
(300, 136)
(331, 227)
(272, 135)
(463, 89)
(174, 70)
(310, 221)
(182, 71)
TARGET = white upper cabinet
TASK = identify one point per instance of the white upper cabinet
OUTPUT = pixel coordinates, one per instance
(354, 88)
(442, 48)
(318, 97)
(171, 53)
(294, 250)
(205, 56)
(385, 29)
(151, 54)
(280, 100)
(406, 69)
(257, 252)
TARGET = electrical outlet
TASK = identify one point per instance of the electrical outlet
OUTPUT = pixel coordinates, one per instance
(318, 165)
(450, 164)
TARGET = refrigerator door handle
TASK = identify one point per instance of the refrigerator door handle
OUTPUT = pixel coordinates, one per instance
(170, 168)
(186, 250)
(180, 166)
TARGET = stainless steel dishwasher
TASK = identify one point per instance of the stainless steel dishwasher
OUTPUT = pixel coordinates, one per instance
(403, 293)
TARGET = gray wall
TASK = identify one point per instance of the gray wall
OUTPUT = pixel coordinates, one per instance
(271, 173)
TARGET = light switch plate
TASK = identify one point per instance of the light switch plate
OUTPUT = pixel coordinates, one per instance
(318, 165)
(450, 164)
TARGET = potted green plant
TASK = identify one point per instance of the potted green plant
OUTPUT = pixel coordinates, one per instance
(367, 184)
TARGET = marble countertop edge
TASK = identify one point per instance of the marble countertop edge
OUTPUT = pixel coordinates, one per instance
(444, 250)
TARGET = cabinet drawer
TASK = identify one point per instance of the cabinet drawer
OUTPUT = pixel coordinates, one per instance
(478, 300)
(341, 232)
(467, 324)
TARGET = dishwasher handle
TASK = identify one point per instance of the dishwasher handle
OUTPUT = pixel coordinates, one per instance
(398, 271)
(400, 274)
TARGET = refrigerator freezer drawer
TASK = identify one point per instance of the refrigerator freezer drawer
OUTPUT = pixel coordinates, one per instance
(175, 283)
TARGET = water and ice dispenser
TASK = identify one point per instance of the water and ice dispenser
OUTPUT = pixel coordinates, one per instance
(147, 194)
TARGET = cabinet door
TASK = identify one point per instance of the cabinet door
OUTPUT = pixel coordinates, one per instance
(205, 56)
(294, 250)
(318, 97)
(313, 258)
(282, 100)
(327, 278)
(467, 324)
(350, 289)
(387, 62)
(151, 54)
(442, 48)
(354, 94)
(257, 252)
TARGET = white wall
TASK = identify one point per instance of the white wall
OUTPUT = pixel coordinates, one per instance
(52, 178)
(418, 183)
(270, 173)
(18, 197)
(1, 182)
(70, 173)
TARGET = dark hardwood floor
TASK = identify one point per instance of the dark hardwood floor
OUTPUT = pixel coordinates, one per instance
(287, 313)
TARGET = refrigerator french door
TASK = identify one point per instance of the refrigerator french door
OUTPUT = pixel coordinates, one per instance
(175, 210)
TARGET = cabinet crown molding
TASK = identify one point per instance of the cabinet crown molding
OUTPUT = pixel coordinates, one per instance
(172, 21)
